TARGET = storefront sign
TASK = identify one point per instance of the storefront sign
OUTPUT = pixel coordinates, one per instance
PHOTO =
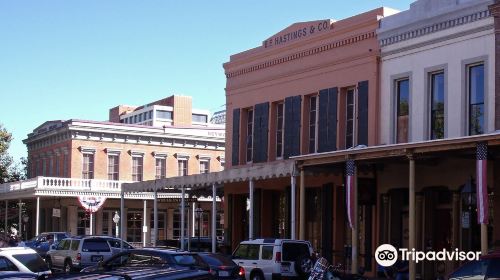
(56, 212)
(91, 203)
(298, 31)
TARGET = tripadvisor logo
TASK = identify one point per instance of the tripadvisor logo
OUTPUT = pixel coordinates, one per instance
(387, 255)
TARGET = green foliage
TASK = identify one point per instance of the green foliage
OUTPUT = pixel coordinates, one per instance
(9, 170)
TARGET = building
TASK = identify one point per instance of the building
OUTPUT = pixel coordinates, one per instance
(72, 159)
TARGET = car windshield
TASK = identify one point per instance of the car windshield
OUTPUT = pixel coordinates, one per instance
(32, 261)
(188, 260)
(218, 260)
(95, 245)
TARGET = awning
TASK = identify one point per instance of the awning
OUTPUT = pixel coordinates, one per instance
(283, 168)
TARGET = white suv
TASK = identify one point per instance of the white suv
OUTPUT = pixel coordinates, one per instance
(274, 258)
(23, 260)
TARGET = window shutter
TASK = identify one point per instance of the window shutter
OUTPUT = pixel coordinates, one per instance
(287, 149)
(327, 121)
(323, 121)
(363, 113)
(260, 136)
(296, 125)
(235, 157)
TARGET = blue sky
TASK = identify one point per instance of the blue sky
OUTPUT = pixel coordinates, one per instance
(64, 59)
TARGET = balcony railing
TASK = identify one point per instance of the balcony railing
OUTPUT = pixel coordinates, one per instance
(48, 183)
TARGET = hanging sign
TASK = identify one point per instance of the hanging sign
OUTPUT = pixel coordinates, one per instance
(56, 212)
(91, 203)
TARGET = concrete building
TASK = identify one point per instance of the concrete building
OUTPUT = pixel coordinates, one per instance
(71, 159)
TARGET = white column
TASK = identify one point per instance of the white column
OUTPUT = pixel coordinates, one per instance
(155, 218)
(91, 223)
(250, 218)
(183, 214)
(20, 229)
(6, 215)
(144, 227)
(122, 218)
(37, 226)
(214, 218)
(193, 218)
(292, 206)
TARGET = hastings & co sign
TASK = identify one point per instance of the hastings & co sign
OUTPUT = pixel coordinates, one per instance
(297, 32)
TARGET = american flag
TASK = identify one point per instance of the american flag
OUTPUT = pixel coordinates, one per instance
(482, 183)
(350, 183)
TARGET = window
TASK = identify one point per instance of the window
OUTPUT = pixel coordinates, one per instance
(199, 118)
(177, 225)
(150, 114)
(247, 252)
(145, 115)
(75, 244)
(249, 135)
(267, 252)
(137, 163)
(65, 166)
(161, 114)
(88, 166)
(83, 223)
(161, 168)
(204, 166)
(313, 110)
(113, 167)
(140, 118)
(135, 119)
(162, 230)
(134, 226)
(6, 265)
(350, 119)
(437, 105)
(51, 167)
(182, 167)
(279, 129)
(402, 110)
(130, 120)
(57, 167)
(476, 99)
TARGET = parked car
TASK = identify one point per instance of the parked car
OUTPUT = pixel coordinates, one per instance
(151, 257)
(223, 267)
(41, 243)
(14, 275)
(274, 258)
(75, 253)
(22, 259)
(203, 244)
(487, 267)
(139, 272)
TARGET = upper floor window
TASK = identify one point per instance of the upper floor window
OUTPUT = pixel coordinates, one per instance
(249, 143)
(204, 166)
(150, 114)
(437, 105)
(161, 168)
(135, 119)
(199, 118)
(279, 129)
(182, 164)
(140, 117)
(313, 120)
(88, 166)
(350, 118)
(475, 82)
(402, 109)
(162, 114)
(137, 168)
(113, 167)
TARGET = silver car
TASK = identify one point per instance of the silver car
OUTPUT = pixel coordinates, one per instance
(75, 253)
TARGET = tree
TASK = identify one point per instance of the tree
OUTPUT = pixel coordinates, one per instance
(9, 170)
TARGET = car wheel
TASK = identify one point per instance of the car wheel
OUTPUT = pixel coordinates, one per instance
(68, 267)
(256, 276)
(303, 266)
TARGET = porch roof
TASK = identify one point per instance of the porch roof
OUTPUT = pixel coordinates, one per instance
(398, 150)
(267, 170)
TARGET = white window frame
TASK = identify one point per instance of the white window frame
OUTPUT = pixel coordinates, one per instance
(88, 151)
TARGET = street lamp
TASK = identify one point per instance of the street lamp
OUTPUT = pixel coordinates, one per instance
(116, 220)
(199, 214)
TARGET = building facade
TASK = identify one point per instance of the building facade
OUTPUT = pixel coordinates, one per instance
(71, 159)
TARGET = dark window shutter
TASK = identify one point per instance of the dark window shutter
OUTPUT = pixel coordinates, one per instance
(235, 154)
(363, 113)
(327, 121)
(260, 136)
(287, 149)
(296, 125)
(323, 121)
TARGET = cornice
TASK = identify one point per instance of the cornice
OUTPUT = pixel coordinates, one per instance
(433, 28)
(301, 54)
